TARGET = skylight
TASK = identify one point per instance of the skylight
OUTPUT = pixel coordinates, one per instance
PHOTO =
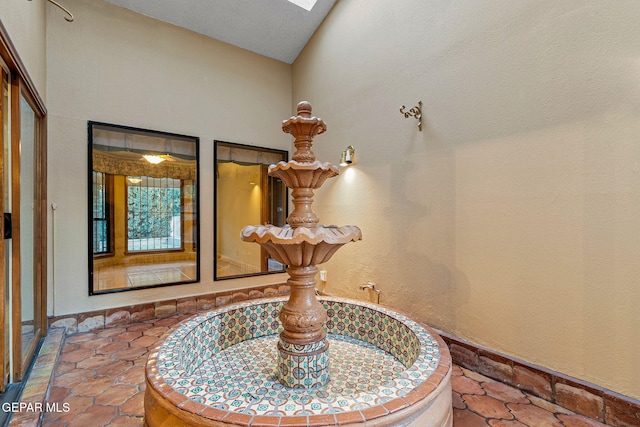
(305, 4)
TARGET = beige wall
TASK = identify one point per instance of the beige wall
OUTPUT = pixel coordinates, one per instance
(513, 218)
(115, 66)
(25, 22)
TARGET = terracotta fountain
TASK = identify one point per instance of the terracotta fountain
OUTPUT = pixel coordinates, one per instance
(265, 362)
(303, 359)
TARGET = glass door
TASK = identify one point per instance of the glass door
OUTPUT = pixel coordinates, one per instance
(23, 224)
(5, 244)
(23, 206)
(26, 318)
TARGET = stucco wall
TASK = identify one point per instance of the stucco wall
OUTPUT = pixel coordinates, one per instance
(513, 218)
(115, 66)
(25, 22)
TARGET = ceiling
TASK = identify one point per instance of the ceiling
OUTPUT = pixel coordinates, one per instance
(274, 28)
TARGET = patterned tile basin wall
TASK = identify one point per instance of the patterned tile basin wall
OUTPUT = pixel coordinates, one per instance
(225, 359)
(206, 335)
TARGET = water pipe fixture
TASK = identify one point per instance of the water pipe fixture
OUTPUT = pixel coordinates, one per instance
(346, 158)
(372, 288)
(322, 285)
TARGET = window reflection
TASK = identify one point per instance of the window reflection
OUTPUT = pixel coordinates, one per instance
(154, 218)
(26, 213)
(246, 195)
(143, 208)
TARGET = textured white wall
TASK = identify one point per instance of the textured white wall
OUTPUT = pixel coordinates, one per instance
(115, 66)
(513, 219)
(25, 22)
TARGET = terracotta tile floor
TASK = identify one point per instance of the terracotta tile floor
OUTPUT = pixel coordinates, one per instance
(100, 375)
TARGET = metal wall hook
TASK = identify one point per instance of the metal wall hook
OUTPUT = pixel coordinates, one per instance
(414, 112)
(68, 18)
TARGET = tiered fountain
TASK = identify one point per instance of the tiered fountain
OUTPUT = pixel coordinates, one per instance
(303, 359)
(265, 363)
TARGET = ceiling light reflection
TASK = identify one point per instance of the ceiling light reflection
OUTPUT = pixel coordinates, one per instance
(305, 4)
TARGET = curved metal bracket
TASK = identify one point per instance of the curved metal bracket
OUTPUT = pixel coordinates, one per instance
(414, 112)
(68, 18)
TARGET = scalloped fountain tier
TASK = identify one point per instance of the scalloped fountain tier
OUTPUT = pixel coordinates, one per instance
(219, 368)
(301, 246)
(303, 174)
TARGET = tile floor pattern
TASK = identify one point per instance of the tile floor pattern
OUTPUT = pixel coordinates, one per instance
(100, 375)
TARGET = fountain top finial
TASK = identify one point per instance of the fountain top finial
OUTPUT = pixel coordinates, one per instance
(304, 127)
(304, 109)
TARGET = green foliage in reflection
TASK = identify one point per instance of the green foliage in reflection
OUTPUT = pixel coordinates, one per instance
(151, 211)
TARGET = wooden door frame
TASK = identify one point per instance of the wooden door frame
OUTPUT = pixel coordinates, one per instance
(4, 364)
(21, 361)
(22, 85)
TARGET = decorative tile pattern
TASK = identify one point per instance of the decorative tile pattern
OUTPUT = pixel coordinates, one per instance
(303, 366)
(394, 333)
(227, 359)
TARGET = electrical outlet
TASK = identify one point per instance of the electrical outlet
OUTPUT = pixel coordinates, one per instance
(323, 275)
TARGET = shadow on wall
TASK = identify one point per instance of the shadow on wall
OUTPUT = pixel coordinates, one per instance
(422, 275)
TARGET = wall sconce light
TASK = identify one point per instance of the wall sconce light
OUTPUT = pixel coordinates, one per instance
(347, 156)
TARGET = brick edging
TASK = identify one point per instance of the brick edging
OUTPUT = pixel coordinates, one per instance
(579, 396)
(100, 319)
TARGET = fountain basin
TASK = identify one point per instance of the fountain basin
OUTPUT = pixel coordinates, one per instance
(218, 368)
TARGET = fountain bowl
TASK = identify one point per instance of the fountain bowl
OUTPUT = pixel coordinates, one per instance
(303, 174)
(218, 369)
(301, 246)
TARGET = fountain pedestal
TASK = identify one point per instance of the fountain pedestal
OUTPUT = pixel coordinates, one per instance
(303, 357)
